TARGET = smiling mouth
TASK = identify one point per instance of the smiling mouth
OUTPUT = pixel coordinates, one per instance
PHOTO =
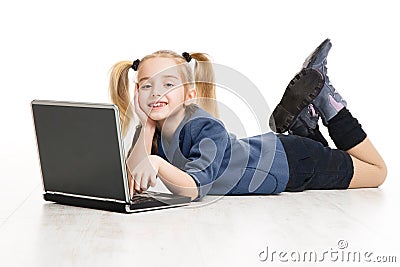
(158, 104)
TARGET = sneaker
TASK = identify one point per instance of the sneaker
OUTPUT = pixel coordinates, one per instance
(317, 59)
(306, 123)
(329, 102)
(299, 94)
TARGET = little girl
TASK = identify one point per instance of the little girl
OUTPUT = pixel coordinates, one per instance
(181, 140)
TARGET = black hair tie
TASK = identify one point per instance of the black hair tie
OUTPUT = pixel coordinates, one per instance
(187, 56)
(135, 64)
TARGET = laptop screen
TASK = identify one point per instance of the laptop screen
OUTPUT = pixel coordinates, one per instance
(79, 149)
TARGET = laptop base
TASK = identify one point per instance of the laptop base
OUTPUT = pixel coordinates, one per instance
(114, 206)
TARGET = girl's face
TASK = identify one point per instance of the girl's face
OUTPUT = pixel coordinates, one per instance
(160, 88)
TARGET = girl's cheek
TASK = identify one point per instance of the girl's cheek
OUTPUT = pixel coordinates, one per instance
(142, 100)
(176, 93)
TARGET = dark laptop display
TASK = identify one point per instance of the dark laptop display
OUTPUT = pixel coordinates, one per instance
(82, 158)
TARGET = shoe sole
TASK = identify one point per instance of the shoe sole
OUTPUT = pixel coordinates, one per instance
(300, 92)
(313, 56)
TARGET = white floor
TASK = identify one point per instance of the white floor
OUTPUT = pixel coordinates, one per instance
(227, 231)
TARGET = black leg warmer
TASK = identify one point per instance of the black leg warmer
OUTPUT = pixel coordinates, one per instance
(345, 130)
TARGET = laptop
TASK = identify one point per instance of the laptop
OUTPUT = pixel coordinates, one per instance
(82, 158)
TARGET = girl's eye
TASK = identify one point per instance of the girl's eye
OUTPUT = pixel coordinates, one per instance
(146, 86)
(169, 84)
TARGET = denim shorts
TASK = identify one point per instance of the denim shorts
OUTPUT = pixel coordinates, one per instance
(313, 166)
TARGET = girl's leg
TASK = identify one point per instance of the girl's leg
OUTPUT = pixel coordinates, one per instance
(347, 134)
(315, 166)
(369, 167)
(356, 164)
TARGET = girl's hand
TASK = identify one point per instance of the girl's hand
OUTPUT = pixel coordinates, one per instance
(131, 182)
(144, 119)
(144, 174)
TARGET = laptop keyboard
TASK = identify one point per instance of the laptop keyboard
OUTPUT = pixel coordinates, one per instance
(141, 198)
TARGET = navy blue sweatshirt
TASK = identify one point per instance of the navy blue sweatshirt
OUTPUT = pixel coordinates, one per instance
(222, 164)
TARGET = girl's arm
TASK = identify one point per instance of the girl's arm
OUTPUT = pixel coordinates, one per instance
(176, 180)
(142, 148)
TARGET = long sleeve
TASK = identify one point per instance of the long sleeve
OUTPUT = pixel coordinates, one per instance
(209, 140)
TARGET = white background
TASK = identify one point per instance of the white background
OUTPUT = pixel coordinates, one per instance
(63, 50)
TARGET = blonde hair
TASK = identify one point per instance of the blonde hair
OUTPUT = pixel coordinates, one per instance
(204, 80)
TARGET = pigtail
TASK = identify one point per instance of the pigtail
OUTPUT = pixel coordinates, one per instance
(204, 78)
(119, 92)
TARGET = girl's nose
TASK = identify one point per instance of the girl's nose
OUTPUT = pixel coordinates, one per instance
(156, 91)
